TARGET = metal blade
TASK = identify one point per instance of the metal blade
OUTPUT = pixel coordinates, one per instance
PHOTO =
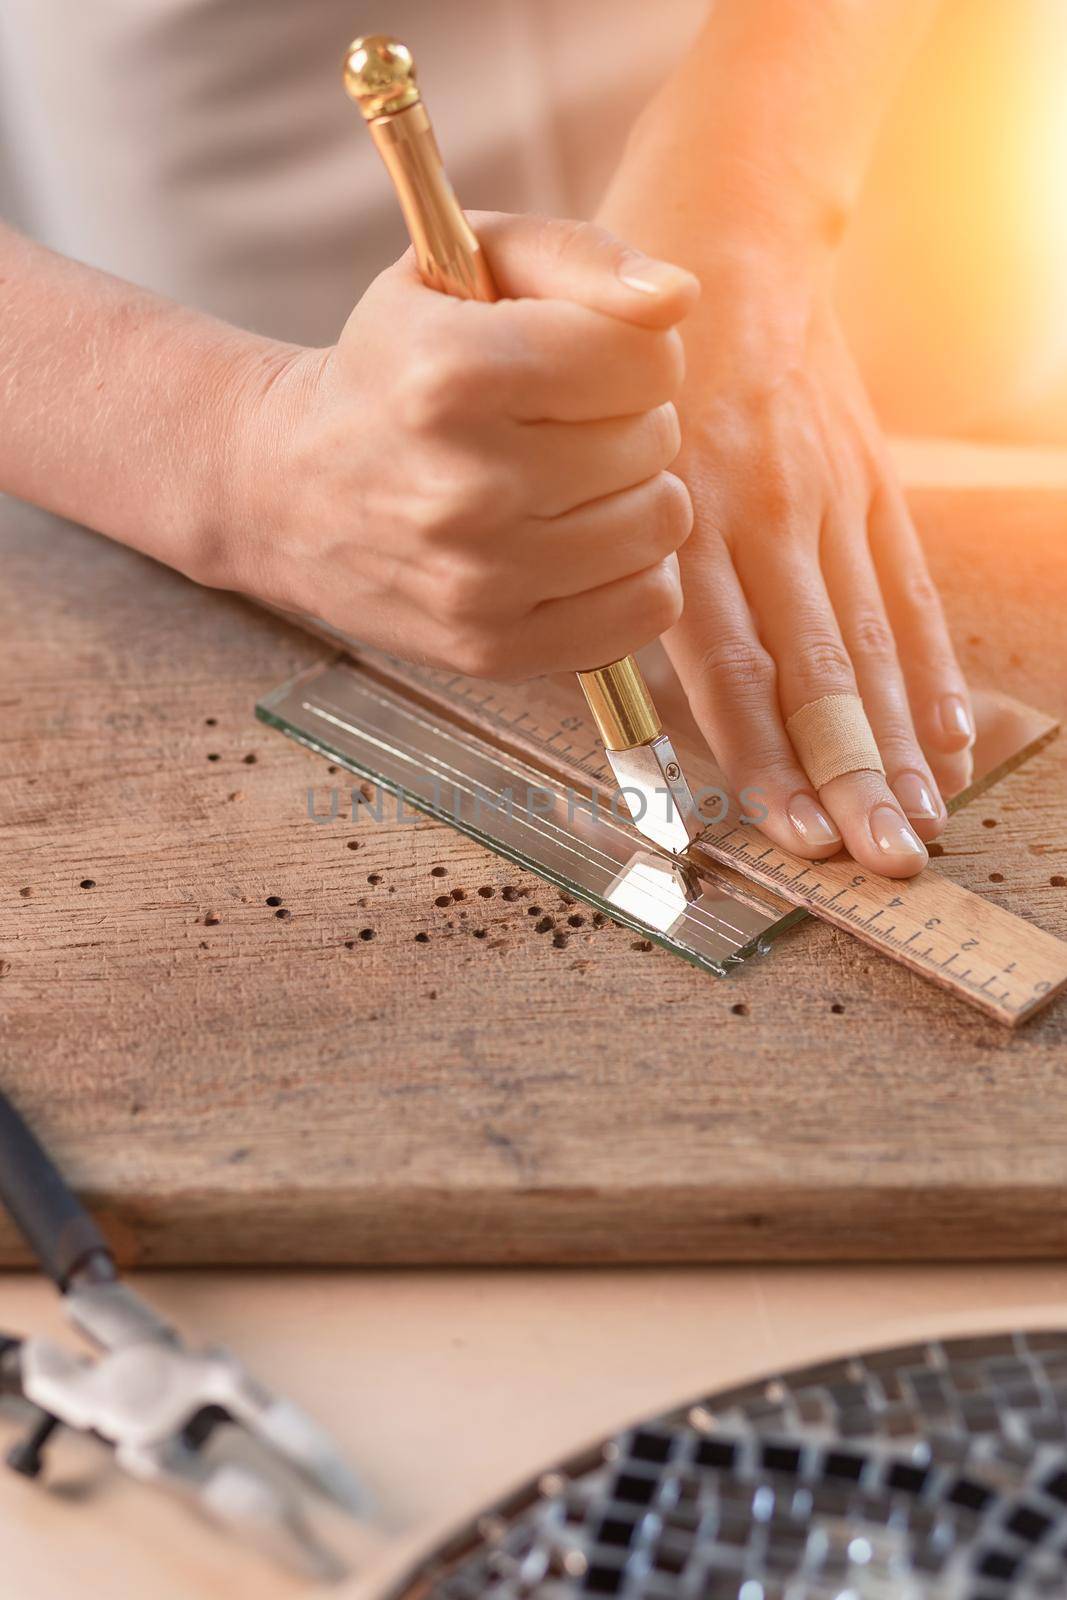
(659, 799)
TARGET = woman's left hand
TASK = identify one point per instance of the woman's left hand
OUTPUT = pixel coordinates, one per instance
(804, 575)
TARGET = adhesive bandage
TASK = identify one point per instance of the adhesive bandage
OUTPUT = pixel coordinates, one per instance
(832, 736)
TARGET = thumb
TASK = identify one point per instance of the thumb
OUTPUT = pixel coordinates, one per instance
(542, 258)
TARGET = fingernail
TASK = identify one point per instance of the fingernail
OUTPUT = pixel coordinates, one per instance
(892, 834)
(654, 277)
(914, 794)
(956, 724)
(812, 824)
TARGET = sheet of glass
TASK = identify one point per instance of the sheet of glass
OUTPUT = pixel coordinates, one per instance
(520, 771)
(525, 814)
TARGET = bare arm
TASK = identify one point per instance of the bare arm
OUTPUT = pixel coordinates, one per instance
(470, 484)
(117, 407)
(804, 576)
(765, 131)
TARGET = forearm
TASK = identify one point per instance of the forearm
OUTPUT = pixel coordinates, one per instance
(803, 577)
(764, 132)
(118, 408)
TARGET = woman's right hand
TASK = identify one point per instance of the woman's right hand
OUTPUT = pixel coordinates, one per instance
(479, 486)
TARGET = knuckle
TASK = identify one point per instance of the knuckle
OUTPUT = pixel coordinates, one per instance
(492, 497)
(420, 515)
(662, 365)
(479, 653)
(674, 359)
(605, 247)
(562, 238)
(872, 636)
(466, 508)
(666, 432)
(919, 591)
(432, 389)
(664, 603)
(899, 748)
(757, 755)
(785, 497)
(674, 522)
(653, 603)
(455, 506)
(462, 590)
(822, 659)
(739, 668)
(439, 513)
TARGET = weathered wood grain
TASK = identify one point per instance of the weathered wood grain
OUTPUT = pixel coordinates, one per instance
(379, 1077)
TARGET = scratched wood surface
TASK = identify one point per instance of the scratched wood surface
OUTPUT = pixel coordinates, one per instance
(251, 1037)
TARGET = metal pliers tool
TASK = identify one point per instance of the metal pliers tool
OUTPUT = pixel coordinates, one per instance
(153, 1400)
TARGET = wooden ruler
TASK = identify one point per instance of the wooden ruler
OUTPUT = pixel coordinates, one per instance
(968, 945)
(964, 943)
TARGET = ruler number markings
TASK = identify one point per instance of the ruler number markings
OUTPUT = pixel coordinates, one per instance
(1014, 993)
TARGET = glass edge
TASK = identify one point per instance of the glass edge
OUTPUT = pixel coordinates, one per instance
(755, 946)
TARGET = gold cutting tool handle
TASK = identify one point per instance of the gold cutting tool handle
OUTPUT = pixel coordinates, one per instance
(380, 78)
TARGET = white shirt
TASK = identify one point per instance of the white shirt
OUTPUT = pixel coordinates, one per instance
(206, 148)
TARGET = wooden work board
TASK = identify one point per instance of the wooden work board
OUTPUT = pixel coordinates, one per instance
(250, 1037)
